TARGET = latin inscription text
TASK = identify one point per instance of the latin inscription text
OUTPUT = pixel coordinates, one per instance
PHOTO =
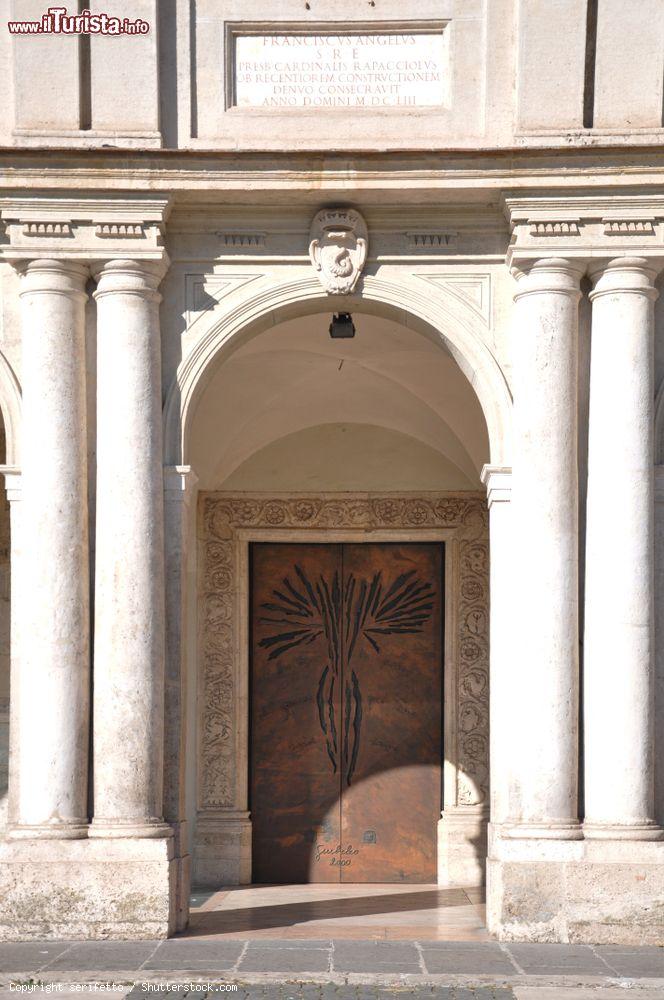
(334, 71)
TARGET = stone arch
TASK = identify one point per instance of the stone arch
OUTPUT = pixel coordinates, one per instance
(433, 311)
(10, 407)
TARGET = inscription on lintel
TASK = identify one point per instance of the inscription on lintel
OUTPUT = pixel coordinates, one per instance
(362, 70)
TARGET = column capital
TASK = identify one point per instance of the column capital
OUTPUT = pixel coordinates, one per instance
(498, 482)
(130, 277)
(556, 275)
(53, 277)
(629, 275)
(13, 487)
(84, 229)
(180, 482)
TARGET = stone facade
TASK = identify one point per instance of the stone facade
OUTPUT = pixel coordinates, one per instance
(485, 200)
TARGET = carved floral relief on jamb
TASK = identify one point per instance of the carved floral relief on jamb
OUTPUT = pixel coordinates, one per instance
(225, 524)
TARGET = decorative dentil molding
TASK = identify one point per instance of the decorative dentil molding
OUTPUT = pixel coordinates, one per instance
(424, 242)
(121, 230)
(222, 518)
(589, 228)
(47, 229)
(91, 229)
(243, 241)
(629, 227)
(553, 228)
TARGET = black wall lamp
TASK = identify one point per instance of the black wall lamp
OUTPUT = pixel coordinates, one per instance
(342, 326)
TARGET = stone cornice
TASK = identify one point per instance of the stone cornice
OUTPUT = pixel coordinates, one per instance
(585, 228)
(84, 229)
(452, 176)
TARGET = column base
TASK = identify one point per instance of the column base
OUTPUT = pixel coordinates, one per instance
(88, 889)
(222, 849)
(607, 831)
(49, 831)
(553, 830)
(462, 846)
(110, 829)
(579, 891)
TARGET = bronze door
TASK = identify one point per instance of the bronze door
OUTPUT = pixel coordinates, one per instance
(346, 712)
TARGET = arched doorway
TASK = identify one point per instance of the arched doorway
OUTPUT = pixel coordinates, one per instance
(293, 435)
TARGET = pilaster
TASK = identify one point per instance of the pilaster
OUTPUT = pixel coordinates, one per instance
(180, 486)
(503, 688)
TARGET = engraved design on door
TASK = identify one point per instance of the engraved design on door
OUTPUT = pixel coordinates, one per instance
(346, 711)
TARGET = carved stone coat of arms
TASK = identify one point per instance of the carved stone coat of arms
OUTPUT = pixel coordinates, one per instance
(338, 248)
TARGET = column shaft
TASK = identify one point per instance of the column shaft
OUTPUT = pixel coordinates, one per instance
(619, 609)
(502, 689)
(543, 799)
(128, 731)
(53, 707)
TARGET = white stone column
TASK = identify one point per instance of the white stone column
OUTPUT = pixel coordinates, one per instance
(502, 686)
(544, 746)
(619, 609)
(128, 727)
(53, 704)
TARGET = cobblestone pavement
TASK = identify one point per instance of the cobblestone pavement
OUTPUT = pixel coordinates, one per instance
(309, 991)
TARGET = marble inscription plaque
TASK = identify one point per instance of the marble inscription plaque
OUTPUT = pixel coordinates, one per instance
(383, 70)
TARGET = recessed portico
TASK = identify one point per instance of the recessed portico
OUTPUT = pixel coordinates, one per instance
(241, 422)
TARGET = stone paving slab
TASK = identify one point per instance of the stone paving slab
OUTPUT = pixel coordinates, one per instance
(287, 960)
(467, 959)
(633, 962)
(382, 956)
(564, 959)
(27, 956)
(186, 954)
(332, 966)
(102, 956)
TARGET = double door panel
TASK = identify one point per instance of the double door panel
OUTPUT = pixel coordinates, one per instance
(346, 712)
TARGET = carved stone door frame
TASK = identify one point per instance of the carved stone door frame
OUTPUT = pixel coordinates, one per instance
(227, 525)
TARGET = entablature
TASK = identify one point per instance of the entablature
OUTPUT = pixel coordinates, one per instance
(587, 229)
(83, 229)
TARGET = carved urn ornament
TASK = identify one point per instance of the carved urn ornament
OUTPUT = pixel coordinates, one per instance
(338, 246)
